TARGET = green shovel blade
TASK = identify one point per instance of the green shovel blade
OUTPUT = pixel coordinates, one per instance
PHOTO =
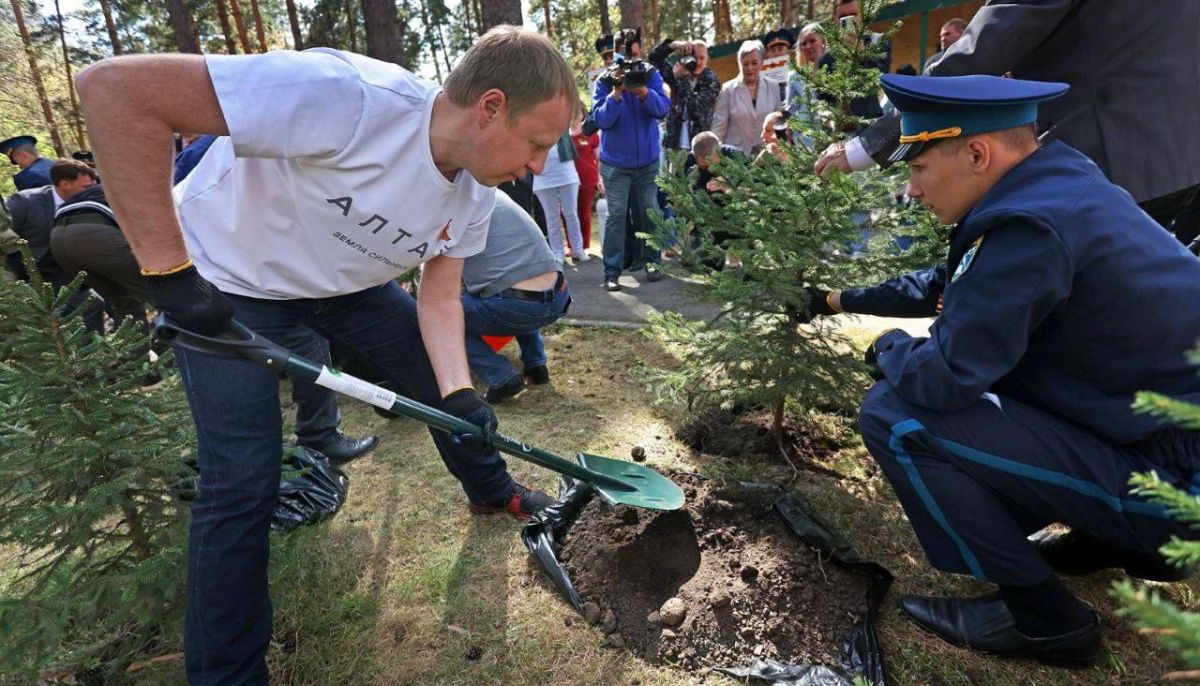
(648, 488)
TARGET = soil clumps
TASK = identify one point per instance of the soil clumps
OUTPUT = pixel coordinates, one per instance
(715, 584)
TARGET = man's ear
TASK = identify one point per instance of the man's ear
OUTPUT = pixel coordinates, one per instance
(492, 105)
(980, 152)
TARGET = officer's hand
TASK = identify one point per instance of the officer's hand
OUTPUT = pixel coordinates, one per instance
(191, 300)
(466, 404)
(818, 306)
(834, 157)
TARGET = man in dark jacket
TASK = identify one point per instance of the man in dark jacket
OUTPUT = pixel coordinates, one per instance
(35, 169)
(1116, 73)
(1060, 300)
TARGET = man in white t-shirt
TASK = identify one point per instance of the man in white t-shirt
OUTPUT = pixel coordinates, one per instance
(335, 173)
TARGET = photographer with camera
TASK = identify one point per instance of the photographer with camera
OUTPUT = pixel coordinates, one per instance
(629, 101)
(694, 90)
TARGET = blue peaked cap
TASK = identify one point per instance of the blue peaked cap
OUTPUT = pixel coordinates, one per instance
(936, 107)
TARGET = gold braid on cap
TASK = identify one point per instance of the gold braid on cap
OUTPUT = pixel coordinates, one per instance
(926, 136)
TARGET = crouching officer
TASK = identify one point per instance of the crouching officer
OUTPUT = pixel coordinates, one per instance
(1059, 301)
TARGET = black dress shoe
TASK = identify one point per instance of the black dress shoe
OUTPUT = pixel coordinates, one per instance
(505, 390)
(1074, 553)
(342, 449)
(986, 625)
(538, 376)
(611, 285)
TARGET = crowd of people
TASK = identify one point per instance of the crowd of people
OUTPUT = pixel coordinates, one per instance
(1061, 297)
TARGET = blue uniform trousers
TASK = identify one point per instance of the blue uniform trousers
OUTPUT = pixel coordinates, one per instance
(235, 405)
(974, 483)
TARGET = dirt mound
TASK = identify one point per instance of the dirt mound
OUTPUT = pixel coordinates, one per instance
(718, 583)
(748, 434)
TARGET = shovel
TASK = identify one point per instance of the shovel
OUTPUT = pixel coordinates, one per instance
(615, 481)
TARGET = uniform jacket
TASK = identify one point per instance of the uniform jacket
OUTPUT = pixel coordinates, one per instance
(697, 98)
(35, 175)
(1134, 71)
(738, 119)
(32, 214)
(1058, 292)
(630, 138)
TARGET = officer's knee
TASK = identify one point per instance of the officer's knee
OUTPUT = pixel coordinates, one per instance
(878, 414)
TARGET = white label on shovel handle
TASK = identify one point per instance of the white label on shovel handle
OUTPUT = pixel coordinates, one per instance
(356, 388)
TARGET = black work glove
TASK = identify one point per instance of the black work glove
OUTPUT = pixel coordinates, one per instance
(871, 356)
(466, 404)
(192, 301)
(818, 306)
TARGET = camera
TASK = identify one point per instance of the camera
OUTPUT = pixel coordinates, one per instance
(689, 62)
(627, 73)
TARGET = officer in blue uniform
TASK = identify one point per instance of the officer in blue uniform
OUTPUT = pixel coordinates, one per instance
(1060, 300)
(35, 169)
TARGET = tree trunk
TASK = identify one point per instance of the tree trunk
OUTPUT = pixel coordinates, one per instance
(478, 5)
(243, 39)
(546, 9)
(632, 13)
(111, 25)
(260, 32)
(605, 22)
(352, 26)
(652, 25)
(433, 51)
(723, 23)
(76, 117)
(36, 75)
(812, 11)
(294, 22)
(789, 13)
(181, 28)
(383, 31)
(497, 12)
(226, 28)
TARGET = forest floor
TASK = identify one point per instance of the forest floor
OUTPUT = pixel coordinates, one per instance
(404, 586)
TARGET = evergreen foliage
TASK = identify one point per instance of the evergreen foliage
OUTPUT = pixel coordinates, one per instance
(1178, 629)
(90, 530)
(790, 229)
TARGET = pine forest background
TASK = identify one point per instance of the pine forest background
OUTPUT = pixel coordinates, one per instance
(44, 42)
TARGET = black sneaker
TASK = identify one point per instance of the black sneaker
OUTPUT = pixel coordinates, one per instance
(505, 390)
(521, 504)
(611, 285)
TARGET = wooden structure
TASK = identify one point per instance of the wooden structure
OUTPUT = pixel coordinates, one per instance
(916, 41)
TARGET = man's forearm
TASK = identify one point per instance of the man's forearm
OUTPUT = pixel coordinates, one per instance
(444, 335)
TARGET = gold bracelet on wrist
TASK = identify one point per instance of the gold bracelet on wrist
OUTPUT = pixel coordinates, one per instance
(166, 272)
(830, 303)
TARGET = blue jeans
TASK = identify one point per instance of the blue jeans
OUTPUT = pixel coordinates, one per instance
(619, 185)
(501, 316)
(235, 406)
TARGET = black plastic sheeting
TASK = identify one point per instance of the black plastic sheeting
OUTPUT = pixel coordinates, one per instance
(311, 490)
(859, 654)
(312, 493)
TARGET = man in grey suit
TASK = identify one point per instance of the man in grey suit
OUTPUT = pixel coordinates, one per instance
(1134, 103)
(32, 213)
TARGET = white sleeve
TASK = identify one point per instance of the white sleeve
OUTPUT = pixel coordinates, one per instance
(286, 104)
(856, 156)
(474, 238)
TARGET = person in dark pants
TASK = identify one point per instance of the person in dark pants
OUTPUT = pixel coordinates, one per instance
(33, 218)
(513, 288)
(333, 175)
(1059, 301)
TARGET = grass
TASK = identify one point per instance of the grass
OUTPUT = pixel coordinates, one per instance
(404, 587)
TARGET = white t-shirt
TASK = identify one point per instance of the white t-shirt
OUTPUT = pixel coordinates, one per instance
(326, 184)
(557, 172)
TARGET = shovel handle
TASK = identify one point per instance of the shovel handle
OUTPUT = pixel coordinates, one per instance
(242, 343)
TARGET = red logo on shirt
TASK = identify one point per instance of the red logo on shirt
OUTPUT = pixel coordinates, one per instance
(445, 234)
